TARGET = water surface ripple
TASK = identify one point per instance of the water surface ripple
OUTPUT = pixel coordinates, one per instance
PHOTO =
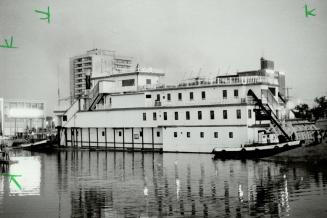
(117, 184)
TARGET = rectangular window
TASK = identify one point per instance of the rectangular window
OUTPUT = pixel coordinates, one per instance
(165, 115)
(154, 116)
(128, 82)
(225, 114)
(119, 133)
(102, 133)
(168, 97)
(201, 134)
(187, 115)
(212, 115)
(158, 134)
(148, 81)
(148, 96)
(203, 95)
(136, 136)
(175, 134)
(230, 135)
(224, 94)
(179, 96)
(191, 96)
(144, 116)
(141, 134)
(238, 114)
(215, 134)
(176, 115)
(236, 93)
(250, 113)
(188, 134)
(200, 115)
(158, 97)
(64, 118)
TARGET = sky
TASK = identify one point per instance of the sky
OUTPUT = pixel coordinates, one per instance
(183, 38)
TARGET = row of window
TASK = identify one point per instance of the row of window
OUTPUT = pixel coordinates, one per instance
(131, 82)
(188, 115)
(191, 95)
(215, 135)
(135, 135)
(188, 134)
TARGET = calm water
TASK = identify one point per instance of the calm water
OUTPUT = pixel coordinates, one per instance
(107, 184)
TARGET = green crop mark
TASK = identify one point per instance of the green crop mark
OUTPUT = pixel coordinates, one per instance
(47, 13)
(308, 12)
(12, 178)
(7, 44)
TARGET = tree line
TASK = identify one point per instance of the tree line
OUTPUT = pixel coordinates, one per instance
(319, 110)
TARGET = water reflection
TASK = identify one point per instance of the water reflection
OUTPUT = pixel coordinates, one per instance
(27, 176)
(110, 184)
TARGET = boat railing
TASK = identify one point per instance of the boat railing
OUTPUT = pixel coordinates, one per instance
(212, 101)
(219, 81)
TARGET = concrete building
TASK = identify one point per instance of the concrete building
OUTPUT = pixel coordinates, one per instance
(95, 63)
(19, 116)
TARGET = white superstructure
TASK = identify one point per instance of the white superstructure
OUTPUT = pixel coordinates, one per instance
(135, 111)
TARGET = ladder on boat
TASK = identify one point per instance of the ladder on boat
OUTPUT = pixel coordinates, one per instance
(276, 123)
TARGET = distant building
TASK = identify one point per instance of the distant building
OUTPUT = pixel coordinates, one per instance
(95, 63)
(19, 116)
(1, 116)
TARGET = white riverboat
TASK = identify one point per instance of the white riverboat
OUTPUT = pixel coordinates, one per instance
(135, 111)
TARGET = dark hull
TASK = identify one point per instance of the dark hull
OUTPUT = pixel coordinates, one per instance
(252, 154)
(47, 146)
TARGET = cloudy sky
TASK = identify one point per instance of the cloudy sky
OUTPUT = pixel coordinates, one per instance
(181, 37)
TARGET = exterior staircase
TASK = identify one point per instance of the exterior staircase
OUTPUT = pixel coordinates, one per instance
(300, 129)
(266, 107)
(95, 97)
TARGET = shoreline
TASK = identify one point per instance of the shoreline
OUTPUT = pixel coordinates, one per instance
(313, 154)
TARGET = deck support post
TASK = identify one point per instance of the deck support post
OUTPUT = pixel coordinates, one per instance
(123, 138)
(89, 137)
(66, 136)
(105, 136)
(72, 136)
(97, 137)
(142, 138)
(59, 133)
(81, 137)
(114, 138)
(132, 138)
(76, 136)
(152, 140)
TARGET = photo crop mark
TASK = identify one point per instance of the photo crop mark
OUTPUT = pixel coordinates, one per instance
(7, 44)
(47, 13)
(12, 178)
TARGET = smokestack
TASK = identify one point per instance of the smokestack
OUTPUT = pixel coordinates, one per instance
(266, 64)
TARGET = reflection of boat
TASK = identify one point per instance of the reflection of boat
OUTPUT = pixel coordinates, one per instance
(7, 161)
(256, 150)
(4, 155)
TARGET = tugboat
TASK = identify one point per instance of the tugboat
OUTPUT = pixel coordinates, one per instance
(39, 141)
(268, 144)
